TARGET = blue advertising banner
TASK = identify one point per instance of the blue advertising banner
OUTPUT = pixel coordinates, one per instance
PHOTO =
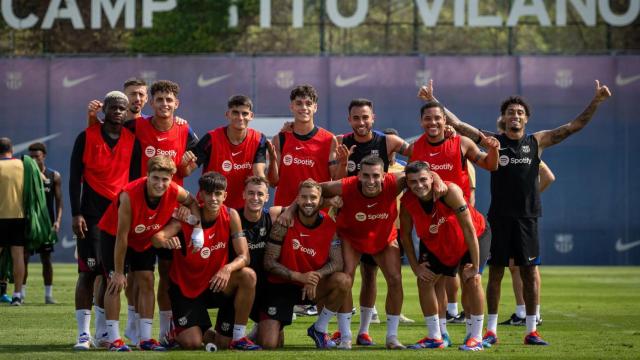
(589, 215)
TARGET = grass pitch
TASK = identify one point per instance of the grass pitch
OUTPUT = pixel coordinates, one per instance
(588, 312)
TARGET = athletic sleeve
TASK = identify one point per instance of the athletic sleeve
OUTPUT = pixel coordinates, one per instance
(75, 174)
(136, 158)
(202, 150)
(261, 152)
(192, 139)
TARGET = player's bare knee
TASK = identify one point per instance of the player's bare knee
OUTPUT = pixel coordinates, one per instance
(247, 277)
(191, 342)
(343, 281)
(144, 280)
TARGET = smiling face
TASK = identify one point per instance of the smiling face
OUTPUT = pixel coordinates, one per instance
(361, 120)
(433, 122)
(255, 196)
(515, 118)
(303, 108)
(420, 183)
(158, 182)
(164, 104)
(212, 200)
(239, 117)
(371, 177)
(308, 201)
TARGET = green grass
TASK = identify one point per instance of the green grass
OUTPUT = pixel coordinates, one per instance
(588, 312)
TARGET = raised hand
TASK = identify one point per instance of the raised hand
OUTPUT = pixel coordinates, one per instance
(602, 92)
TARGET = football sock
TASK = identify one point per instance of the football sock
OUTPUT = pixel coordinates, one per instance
(145, 326)
(531, 323)
(48, 290)
(323, 320)
(83, 320)
(113, 329)
(366, 313)
(344, 325)
(476, 326)
(492, 323)
(521, 311)
(392, 325)
(238, 331)
(452, 309)
(433, 327)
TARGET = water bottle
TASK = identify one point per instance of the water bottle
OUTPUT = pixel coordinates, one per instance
(210, 347)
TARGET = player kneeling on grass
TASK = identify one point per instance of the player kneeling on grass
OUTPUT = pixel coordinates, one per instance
(138, 213)
(202, 277)
(448, 229)
(305, 264)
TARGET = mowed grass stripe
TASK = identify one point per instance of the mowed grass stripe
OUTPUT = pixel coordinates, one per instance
(588, 312)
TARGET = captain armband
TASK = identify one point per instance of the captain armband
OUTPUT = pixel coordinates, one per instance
(404, 147)
(239, 234)
(461, 209)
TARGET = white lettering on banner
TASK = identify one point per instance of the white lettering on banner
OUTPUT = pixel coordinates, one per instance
(112, 12)
(465, 13)
(70, 11)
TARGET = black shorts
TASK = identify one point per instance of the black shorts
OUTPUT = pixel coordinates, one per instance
(44, 249)
(484, 243)
(261, 295)
(12, 232)
(368, 259)
(189, 312)
(279, 302)
(164, 254)
(515, 238)
(134, 260)
(89, 248)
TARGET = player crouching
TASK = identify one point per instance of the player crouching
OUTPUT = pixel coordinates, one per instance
(202, 277)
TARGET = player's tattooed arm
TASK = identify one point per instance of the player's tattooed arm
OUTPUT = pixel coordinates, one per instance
(335, 262)
(272, 253)
(548, 138)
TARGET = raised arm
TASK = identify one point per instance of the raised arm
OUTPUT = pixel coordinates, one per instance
(338, 158)
(273, 175)
(548, 138)
(426, 93)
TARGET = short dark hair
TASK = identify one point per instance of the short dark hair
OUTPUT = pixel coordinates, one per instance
(303, 91)
(165, 86)
(518, 100)
(391, 131)
(359, 103)
(212, 181)
(431, 104)
(134, 81)
(5, 145)
(239, 100)
(415, 167)
(38, 146)
(372, 160)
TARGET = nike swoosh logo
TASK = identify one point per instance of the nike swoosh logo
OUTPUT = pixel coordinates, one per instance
(299, 147)
(532, 258)
(620, 246)
(622, 81)
(479, 81)
(301, 234)
(66, 243)
(433, 154)
(502, 148)
(369, 206)
(202, 82)
(66, 82)
(18, 148)
(152, 216)
(212, 235)
(162, 139)
(340, 82)
(234, 154)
